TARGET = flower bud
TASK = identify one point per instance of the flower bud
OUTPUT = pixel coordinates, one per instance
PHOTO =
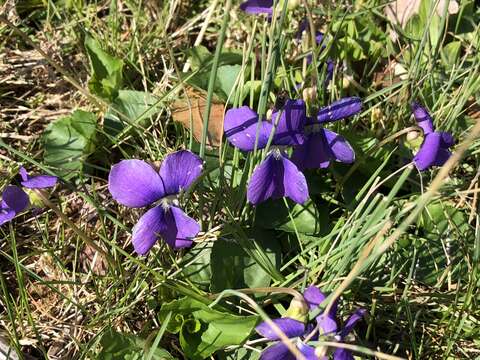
(346, 81)
(412, 135)
(309, 94)
(293, 4)
(269, 114)
(400, 71)
(297, 310)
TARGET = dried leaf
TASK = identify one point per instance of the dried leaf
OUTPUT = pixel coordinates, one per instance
(194, 107)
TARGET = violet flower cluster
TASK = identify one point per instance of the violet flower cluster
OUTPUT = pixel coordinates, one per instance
(326, 328)
(314, 147)
(15, 200)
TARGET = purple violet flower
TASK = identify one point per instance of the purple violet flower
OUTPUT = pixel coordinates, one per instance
(434, 149)
(296, 329)
(321, 146)
(15, 200)
(255, 7)
(134, 183)
(276, 176)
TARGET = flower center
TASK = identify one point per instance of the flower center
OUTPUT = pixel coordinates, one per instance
(168, 201)
(311, 129)
(276, 151)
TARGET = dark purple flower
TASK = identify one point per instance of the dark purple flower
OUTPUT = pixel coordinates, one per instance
(296, 329)
(15, 200)
(276, 176)
(321, 146)
(434, 150)
(256, 7)
(134, 183)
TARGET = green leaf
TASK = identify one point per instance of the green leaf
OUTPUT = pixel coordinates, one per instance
(257, 87)
(201, 61)
(304, 218)
(435, 29)
(201, 58)
(196, 265)
(107, 77)
(135, 107)
(233, 268)
(216, 331)
(198, 56)
(226, 76)
(240, 354)
(117, 346)
(450, 53)
(69, 141)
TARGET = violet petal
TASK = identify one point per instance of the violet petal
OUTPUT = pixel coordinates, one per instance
(314, 153)
(241, 127)
(148, 229)
(181, 228)
(309, 352)
(179, 170)
(340, 109)
(134, 183)
(351, 321)
(447, 139)
(171, 224)
(278, 351)
(290, 327)
(23, 173)
(431, 152)
(277, 177)
(314, 298)
(6, 215)
(14, 201)
(15, 198)
(290, 121)
(423, 118)
(340, 149)
(255, 7)
(36, 182)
